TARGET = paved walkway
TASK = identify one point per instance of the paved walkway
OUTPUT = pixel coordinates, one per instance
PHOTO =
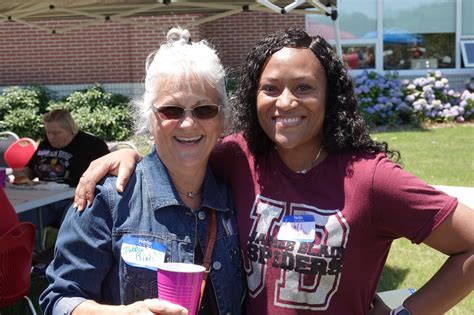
(464, 194)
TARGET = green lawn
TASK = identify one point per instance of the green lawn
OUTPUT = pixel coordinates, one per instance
(443, 156)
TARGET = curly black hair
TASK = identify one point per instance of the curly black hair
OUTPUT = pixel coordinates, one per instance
(344, 129)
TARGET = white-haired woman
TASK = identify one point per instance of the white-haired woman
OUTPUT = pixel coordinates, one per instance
(167, 206)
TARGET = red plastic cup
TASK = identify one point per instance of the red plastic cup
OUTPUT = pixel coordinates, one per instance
(180, 284)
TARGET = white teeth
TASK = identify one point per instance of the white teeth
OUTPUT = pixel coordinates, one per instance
(288, 120)
(188, 139)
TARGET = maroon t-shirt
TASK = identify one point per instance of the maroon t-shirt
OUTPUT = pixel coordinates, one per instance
(360, 203)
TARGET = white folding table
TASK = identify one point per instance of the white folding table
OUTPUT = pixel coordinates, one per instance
(24, 199)
(33, 198)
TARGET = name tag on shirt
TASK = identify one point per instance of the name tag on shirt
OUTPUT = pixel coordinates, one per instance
(297, 228)
(143, 253)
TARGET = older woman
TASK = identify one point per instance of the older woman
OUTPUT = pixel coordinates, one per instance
(167, 206)
(66, 152)
(318, 201)
(62, 157)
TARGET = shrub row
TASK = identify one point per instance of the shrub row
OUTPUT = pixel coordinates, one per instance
(383, 100)
(386, 100)
(96, 111)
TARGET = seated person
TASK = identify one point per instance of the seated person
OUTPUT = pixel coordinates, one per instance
(66, 152)
(62, 157)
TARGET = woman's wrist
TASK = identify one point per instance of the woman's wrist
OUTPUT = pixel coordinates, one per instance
(401, 310)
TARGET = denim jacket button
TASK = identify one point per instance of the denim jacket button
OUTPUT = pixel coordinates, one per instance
(216, 265)
(201, 215)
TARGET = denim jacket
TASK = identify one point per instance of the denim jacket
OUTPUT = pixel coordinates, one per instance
(89, 264)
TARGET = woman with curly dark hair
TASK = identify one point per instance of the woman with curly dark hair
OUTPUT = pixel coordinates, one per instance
(343, 129)
(318, 202)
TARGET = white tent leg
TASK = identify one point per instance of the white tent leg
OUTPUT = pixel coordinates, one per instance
(338, 38)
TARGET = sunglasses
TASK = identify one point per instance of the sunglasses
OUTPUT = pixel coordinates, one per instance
(171, 112)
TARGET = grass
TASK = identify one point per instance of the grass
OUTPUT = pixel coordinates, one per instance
(439, 156)
(442, 156)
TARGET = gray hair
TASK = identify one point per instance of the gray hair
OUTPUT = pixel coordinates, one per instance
(63, 118)
(175, 64)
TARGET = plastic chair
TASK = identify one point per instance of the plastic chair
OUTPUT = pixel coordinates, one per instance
(20, 152)
(16, 248)
(6, 139)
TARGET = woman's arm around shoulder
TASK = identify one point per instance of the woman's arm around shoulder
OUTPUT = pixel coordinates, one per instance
(120, 163)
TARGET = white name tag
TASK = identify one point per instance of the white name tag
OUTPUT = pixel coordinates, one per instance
(143, 253)
(297, 228)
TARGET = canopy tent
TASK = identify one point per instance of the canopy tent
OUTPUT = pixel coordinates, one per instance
(90, 12)
(397, 36)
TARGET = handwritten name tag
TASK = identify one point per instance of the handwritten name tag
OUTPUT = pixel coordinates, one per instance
(297, 228)
(143, 253)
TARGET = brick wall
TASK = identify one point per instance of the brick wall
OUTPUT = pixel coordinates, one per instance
(233, 36)
(115, 53)
(105, 53)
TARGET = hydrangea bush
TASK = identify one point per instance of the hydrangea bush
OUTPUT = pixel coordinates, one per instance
(381, 99)
(433, 100)
(467, 103)
(385, 100)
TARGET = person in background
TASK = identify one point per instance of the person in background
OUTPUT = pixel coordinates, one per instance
(62, 157)
(66, 152)
(318, 201)
(352, 58)
(369, 59)
(168, 207)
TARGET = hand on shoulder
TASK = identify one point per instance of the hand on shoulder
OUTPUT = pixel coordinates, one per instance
(120, 163)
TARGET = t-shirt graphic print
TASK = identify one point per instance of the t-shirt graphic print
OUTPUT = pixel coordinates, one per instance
(53, 165)
(309, 271)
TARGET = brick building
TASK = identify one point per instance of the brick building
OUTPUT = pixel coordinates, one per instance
(114, 54)
(406, 36)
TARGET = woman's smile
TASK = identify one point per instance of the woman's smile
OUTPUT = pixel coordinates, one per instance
(287, 122)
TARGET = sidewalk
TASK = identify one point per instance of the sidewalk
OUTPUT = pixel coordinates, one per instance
(464, 194)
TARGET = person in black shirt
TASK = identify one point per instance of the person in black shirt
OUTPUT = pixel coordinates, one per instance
(62, 157)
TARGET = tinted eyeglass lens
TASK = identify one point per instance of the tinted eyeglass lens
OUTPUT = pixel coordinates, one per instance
(206, 111)
(170, 112)
(177, 112)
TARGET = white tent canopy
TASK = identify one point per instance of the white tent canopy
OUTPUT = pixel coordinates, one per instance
(90, 12)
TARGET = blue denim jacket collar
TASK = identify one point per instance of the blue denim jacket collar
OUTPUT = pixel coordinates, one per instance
(162, 191)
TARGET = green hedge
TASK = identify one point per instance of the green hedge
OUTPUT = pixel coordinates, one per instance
(96, 111)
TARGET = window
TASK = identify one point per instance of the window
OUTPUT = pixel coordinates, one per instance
(356, 18)
(359, 56)
(467, 49)
(467, 24)
(419, 35)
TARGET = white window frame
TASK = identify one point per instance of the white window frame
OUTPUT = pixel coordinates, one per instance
(464, 53)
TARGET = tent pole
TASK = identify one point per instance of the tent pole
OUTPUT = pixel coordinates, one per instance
(337, 32)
